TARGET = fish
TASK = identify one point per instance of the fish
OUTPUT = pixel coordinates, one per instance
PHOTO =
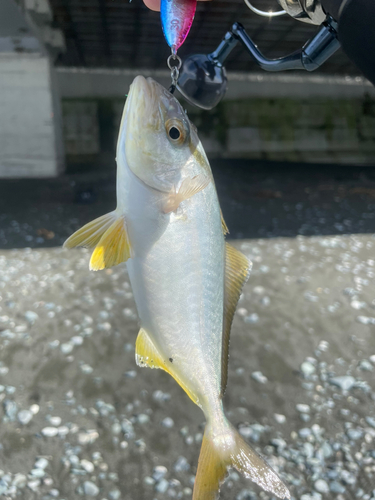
(186, 279)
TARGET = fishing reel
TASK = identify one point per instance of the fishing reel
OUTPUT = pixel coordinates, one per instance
(349, 24)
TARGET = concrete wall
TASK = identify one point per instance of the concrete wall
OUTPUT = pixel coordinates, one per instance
(30, 123)
(31, 142)
(285, 117)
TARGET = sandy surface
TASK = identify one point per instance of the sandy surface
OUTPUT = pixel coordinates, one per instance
(103, 424)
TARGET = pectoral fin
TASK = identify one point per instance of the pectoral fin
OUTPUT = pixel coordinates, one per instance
(147, 354)
(189, 187)
(237, 271)
(89, 235)
(109, 236)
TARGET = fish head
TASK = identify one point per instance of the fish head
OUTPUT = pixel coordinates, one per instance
(157, 139)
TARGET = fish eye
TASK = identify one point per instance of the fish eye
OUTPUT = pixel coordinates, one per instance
(175, 131)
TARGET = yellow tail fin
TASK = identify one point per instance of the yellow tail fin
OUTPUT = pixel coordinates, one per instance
(225, 449)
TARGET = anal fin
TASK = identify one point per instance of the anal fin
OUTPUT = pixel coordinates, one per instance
(146, 354)
(189, 187)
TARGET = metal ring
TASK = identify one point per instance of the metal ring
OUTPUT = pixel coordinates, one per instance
(174, 57)
(262, 12)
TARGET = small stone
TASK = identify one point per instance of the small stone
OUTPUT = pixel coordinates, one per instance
(90, 489)
(308, 449)
(301, 408)
(348, 478)
(241, 311)
(25, 417)
(162, 486)
(114, 495)
(357, 304)
(149, 481)
(365, 365)
(279, 443)
(167, 422)
(50, 431)
(372, 359)
(34, 485)
(354, 434)
(181, 465)
(307, 368)
(55, 421)
(10, 408)
(87, 369)
(304, 433)
(31, 316)
(38, 473)
(159, 472)
(143, 418)
(370, 421)
(76, 340)
(54, 493)
(87, 466)
(326, 450)
(345, 382)
(19, 481)
(259, 377)
(116, 428)
(63, 430)
(41, 463)
(66, 348)
(34, 409)
(280, 419)
(251, 318)
(336, 487)
(88, 437)
(321, 486)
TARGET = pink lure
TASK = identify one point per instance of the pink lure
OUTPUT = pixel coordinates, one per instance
(176, 18)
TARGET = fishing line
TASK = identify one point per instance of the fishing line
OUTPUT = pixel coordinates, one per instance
(264, 13)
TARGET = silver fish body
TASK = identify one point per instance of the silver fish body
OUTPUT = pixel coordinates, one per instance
(186, 279)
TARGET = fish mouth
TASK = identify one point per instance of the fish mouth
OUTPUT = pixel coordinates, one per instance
(142, 103)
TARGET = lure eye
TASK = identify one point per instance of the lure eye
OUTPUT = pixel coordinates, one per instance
(176, 132)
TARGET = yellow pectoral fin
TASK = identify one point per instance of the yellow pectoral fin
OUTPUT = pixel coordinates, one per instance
(189, 187)
(113, 248)
(90, 234)
(109, 237)
(146, 354)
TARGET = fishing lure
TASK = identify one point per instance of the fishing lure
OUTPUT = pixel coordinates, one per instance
(176, 19)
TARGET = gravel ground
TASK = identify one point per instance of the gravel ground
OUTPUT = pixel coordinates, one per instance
(80, 419)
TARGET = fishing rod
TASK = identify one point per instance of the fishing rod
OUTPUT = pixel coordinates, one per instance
(349, 24)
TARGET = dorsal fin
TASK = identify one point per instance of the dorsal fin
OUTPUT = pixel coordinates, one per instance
(237, 271)
(223, 224)
(147, 354)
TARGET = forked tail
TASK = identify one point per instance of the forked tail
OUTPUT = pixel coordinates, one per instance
(225, 449)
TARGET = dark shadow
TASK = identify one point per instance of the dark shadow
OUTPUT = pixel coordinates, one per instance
(259, 200)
